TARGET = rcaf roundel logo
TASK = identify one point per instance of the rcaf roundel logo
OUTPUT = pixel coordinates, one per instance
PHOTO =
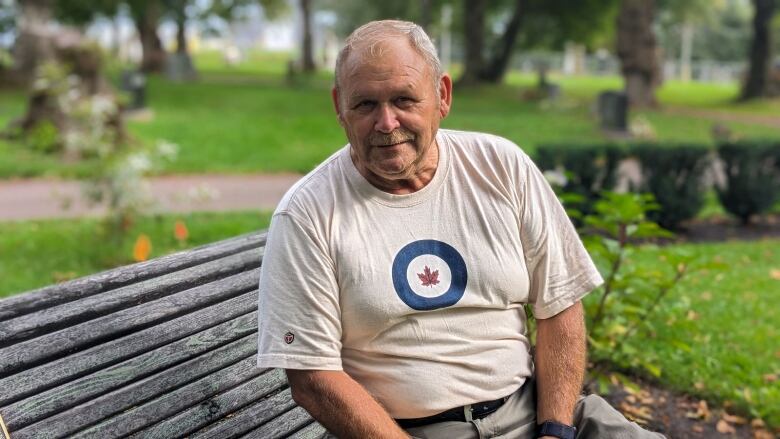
(289, 337)
(429, 274)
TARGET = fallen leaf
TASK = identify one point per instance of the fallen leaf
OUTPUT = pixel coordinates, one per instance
(770, 377)
(636, 414)
(774, 274)
(692, 315)
(698, 385)
(706, 295)
(757, 423)
(733, 419)
(762, 434)
(697, 428)
(702, 411)
(724, 427)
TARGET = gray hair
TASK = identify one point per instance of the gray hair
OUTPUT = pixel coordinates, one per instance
(372, 33)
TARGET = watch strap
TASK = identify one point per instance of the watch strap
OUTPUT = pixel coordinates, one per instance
(556, 429)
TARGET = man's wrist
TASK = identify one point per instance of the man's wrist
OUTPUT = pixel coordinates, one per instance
(556, 430)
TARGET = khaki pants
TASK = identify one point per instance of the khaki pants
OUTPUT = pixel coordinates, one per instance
(516, 419)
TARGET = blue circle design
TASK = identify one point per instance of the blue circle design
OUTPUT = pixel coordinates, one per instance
(429, 247)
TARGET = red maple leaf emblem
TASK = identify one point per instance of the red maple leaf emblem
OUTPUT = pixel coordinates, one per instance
(428, 278)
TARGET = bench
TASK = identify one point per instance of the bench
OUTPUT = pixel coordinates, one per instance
(160, 349)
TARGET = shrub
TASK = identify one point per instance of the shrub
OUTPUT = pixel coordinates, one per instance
(618, 311)
(590, 170)
(752, 177)
(674, 175)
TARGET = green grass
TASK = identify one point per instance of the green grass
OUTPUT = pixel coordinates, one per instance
(249, 118)
(726, 345)
(34, 254)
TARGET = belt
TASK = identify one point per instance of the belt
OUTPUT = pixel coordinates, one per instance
(466, 413)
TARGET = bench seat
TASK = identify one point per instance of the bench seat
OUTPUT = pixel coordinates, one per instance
(160, 349)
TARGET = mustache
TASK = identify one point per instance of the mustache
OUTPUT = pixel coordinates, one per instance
(397, 136)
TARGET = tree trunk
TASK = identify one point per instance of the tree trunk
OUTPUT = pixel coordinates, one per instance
(638, 52)
(495, 71)
(181, 33)
(756, 84)
(474, 60)
(34, 44)
(425, 15)
(307, 49)
(146, 22)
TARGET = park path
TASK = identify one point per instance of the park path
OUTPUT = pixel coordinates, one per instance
(27, 199)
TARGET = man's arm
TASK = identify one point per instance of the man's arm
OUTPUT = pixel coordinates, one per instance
(560, 364)
(341, 405)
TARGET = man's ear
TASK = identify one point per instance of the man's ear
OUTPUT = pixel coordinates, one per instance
(445, 95)
(334, 94)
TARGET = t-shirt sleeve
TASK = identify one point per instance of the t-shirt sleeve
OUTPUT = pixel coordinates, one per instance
(299, 325)
(560, 270)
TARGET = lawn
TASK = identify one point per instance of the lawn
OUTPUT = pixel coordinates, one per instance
(721, 345)
(34, 254)
(249, 118)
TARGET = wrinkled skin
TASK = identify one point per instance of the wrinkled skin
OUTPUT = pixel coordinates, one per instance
(391, 112)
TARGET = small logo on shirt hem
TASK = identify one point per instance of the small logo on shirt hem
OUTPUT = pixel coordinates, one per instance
(289, 337)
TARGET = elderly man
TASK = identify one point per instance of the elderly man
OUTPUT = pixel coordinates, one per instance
(395, 273)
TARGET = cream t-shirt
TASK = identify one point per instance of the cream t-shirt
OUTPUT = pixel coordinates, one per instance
(419, 297)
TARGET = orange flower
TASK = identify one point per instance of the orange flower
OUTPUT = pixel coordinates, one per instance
(180, 231)
(142, 248)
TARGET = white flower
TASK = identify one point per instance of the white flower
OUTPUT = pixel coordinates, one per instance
(138, 162)
(556, 177)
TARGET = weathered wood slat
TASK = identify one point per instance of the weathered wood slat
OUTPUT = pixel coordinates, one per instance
(32, 352)
(173, 402)
(282, 425)
(215, 367)
(64, 369)
(216, 407)
(108, 280)
(43, 405)
(247, 418)
(311, 431)
(49, 319)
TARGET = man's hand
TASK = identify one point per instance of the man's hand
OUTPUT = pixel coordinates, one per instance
(341, 405)
(560, 364)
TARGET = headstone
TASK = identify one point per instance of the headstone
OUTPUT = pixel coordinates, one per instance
(613, 110)
(134, 83)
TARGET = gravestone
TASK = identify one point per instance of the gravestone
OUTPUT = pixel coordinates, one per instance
(613, 110)
(134, 83)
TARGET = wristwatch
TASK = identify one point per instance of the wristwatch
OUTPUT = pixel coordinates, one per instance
(556, 429)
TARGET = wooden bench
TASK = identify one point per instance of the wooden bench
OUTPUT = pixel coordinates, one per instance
(161, 349)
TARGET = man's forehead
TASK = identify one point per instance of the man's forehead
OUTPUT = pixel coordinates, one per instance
(384, 59)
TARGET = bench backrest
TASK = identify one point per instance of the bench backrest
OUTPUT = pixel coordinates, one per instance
(160, 349)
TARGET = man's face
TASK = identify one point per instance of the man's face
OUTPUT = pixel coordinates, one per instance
(389, 108)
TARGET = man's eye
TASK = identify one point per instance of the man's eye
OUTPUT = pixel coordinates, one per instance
(364, 105)
(404, 101)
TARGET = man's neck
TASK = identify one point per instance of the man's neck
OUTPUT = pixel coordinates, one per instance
(421, 175)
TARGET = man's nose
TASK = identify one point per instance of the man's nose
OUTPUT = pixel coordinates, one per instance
(386, 122)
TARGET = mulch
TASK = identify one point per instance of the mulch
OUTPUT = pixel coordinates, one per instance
(719, 229)
(681, 416)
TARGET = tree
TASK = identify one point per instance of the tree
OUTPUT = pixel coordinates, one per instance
(179, 65)
(637, 49)
(146, 15)
(307, 51)
(530, 24)
(757, 84)
(34, 44)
